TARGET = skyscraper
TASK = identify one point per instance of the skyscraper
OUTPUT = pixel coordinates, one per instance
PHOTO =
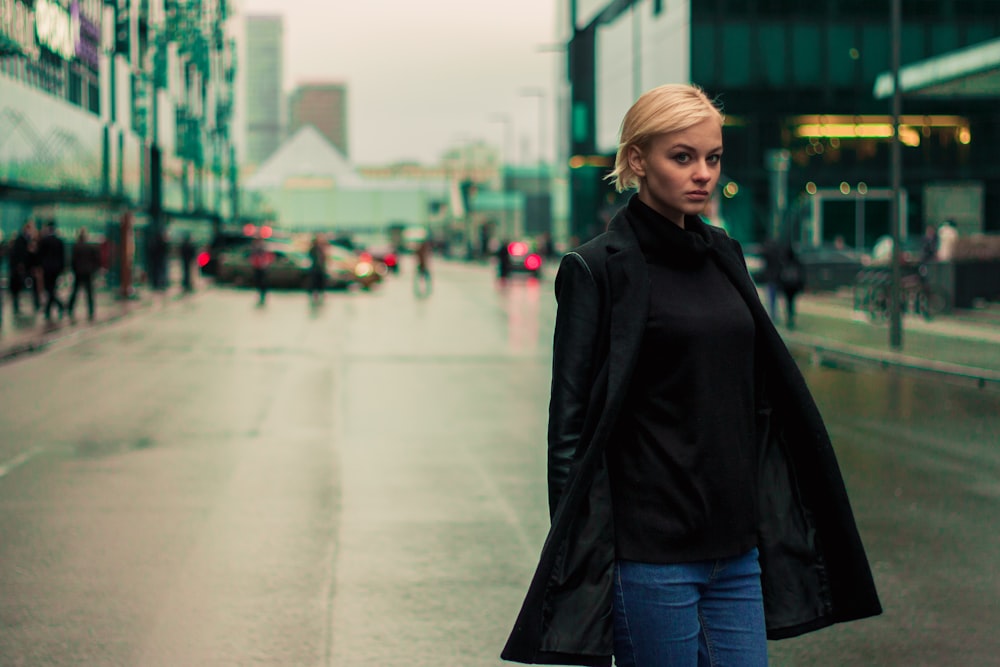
(324, 106)
(264, 76)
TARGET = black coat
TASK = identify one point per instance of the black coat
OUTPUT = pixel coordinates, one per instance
(815, 572)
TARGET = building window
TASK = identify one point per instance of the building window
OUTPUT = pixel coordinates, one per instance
(75, 87)
(806, 41)
(657, 7)
(772, 56)
(94, 98)
(735, 47)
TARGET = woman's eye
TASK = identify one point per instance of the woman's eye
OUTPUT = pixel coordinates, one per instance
(714, 159)
(683, 158)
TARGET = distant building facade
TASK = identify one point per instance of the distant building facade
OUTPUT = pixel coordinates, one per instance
(264, 79)
(324, 106)
(796, 82)
(81, 85)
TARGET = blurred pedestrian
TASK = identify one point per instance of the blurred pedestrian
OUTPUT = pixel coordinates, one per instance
(52, 258)
(34, 265)
(548, 246)
(422, 276)
(503, 260)
(260, 260)
(17, 265)
(674, 489)
(947, 237)
(792, 280)
(158, 250)
(85, 262)
(929, 245)
(317, 269)
(187, 252)
(771, 275)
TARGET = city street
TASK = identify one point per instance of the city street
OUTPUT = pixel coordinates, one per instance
(363, 483)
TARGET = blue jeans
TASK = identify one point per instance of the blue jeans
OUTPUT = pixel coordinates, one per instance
(706, 613)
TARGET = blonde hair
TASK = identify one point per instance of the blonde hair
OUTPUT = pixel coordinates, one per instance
(672, 107)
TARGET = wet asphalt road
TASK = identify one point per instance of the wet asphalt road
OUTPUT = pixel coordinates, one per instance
(363, 484)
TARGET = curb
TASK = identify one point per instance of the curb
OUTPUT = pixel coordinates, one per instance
(834, 353)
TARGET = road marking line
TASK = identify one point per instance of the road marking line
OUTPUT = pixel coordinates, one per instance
(18, 460)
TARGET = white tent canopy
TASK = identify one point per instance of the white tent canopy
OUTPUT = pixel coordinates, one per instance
(307, 154)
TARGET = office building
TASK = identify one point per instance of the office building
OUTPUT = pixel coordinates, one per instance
(264, 86)
(324, 106)
(796, 81)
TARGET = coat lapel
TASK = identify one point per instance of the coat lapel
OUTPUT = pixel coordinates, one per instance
(628, 280)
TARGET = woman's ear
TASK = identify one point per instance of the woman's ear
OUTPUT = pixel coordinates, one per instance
(635, 161)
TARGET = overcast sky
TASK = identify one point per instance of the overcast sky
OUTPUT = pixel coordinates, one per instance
(423, 76)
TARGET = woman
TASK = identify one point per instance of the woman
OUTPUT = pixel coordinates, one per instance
(697, 507)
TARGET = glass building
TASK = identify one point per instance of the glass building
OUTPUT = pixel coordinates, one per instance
(115, 105)
(804, 126)
(264, 81)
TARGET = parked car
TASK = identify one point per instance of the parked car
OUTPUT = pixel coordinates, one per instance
(385, 254)
(346, 268)
(524, 259)
(289, 270)
(226, 241)
(383, 257)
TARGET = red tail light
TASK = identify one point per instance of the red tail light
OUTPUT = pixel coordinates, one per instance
(533, 262)
(203, 258)
(517, 248)
(390, 260)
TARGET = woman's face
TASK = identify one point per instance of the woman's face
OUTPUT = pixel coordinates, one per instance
(679, 171)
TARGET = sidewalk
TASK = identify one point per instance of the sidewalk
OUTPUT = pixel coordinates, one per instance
(964, 346)
(29, 332)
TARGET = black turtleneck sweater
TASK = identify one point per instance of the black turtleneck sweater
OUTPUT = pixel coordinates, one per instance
(683, 460)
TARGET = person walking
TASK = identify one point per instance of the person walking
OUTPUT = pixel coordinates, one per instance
(317, 270)
(696, 504)
(85, 262)
(18, 263)
(422, 276)
(791, 280)
(187, 252)
(52, 259)
(771, 275)
(503, 261)
(260, 260)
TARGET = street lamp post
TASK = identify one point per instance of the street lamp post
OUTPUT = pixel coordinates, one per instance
(895, 314)
(508, 130)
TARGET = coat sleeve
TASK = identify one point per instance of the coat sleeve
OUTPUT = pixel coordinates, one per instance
(573, 360)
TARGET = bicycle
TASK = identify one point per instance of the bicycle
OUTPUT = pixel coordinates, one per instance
(915, 296)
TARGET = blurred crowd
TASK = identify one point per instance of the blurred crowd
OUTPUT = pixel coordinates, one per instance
(37, 260)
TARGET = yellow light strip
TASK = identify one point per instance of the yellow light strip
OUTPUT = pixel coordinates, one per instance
(913, 119)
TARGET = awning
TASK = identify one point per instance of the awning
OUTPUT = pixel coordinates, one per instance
(970, 72)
